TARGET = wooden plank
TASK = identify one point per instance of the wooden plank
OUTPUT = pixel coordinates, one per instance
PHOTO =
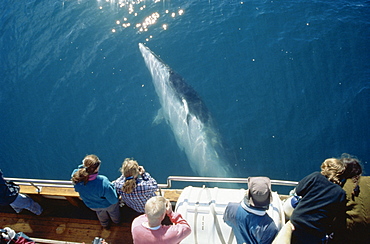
(52, 191)
(171, 194)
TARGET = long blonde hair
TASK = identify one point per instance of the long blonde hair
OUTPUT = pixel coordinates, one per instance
(90, 164)
(332, 169)
(130, 170)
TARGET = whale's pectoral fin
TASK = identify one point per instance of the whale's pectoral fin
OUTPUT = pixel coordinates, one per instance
(159, 118)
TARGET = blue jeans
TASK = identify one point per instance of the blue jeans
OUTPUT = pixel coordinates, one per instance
(105, 214)
(25, 202)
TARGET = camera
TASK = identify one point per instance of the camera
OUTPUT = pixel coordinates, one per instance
(97, 240)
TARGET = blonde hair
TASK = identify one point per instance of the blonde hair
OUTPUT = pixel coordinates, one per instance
(130, 168)
(90, 164)
(332, 169)
(155, 208)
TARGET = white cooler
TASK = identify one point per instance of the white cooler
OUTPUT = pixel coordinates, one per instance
(203, 208)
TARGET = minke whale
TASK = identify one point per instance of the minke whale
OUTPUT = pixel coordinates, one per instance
(189, 119)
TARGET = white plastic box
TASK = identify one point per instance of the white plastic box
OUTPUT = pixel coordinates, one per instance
(203, 208)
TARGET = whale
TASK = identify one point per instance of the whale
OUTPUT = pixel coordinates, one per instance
(189, 119)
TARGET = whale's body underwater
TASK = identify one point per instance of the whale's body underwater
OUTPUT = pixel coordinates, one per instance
(188, 117)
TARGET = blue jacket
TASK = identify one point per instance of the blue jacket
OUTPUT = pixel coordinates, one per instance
(98, 193)
(248, 227)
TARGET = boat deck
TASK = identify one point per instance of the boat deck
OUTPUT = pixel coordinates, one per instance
(65, 222)
(66, 219)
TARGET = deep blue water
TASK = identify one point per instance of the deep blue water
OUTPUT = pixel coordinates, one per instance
(288, 83)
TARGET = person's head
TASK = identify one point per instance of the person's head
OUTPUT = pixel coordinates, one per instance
(333, 168)
(155, 210)
(130, 170)
(258, 194)
(353, 171)
(353, 167)
(90, 165)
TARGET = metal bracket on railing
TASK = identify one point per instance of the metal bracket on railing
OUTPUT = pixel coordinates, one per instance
(38, 188)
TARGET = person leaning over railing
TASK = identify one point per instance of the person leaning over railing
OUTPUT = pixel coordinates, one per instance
(321, 211)
(358, 203)
(10, 195)
(135, 186)
(358, 212)
(96, 191)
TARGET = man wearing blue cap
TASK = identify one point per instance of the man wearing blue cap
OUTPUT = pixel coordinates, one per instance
(248, 219)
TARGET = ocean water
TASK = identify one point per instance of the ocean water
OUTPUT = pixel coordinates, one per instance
(287, 83)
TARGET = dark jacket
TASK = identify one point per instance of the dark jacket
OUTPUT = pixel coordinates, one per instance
(320, 211)
(8, 191)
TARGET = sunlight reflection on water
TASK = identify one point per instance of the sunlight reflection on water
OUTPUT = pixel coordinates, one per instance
(138, 15)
